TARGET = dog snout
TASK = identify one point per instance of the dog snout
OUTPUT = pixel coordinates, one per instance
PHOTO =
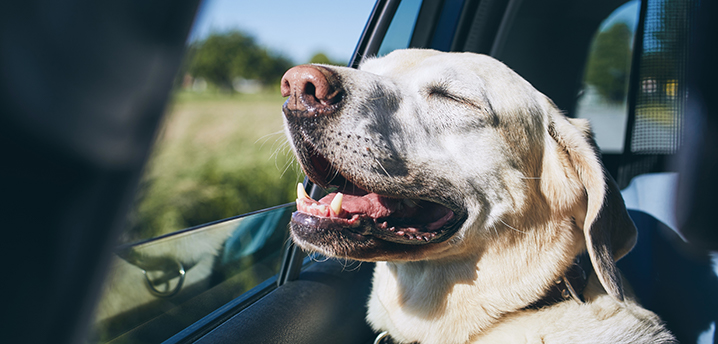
(312, 90)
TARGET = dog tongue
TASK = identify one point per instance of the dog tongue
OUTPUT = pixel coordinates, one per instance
(371, 204)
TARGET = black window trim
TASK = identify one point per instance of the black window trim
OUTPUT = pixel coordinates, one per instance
(210, 321)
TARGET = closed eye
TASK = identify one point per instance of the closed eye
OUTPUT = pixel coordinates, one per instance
(439, 90)
(442, 91)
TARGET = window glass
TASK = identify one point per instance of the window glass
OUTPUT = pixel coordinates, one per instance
(398, 36)
(158, 287)
(446, 26)
(220, 152)
(603, 97)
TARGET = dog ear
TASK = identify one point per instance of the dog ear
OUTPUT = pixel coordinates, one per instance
(608, 230)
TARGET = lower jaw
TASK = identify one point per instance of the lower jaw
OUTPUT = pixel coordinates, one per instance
(364, 229)
(347, 245)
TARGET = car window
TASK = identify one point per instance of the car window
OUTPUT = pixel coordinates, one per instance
(398, 35)
(446, 25)
(604, 93)
(662, 91)
(210, 218)
(160, 286)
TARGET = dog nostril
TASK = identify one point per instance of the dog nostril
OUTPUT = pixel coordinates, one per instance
(310, 90)
(285, 87)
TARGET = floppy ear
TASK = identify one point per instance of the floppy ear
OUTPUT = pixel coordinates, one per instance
(608, 230)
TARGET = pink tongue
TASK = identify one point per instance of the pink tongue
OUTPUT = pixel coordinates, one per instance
(371, 204)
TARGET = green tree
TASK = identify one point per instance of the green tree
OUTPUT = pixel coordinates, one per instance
(222, 57)
(324, 59)
(609, 63)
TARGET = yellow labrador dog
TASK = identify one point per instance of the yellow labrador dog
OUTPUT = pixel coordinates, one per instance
(473, 194)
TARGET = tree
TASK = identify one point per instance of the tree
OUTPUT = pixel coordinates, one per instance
(222, 57)
(324, 59)
(609, 63)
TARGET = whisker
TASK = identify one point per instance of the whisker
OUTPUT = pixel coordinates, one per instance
(507, 225)
(314, 256)
(350, 265)
(288, 164)
(268, 135)
(382, 166)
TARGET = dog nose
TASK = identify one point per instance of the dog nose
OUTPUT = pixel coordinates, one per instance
(312, 90)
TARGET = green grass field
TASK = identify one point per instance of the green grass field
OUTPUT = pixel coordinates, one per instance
(217, 155)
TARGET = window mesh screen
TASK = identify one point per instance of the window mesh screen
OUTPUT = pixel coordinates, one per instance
(661, 96)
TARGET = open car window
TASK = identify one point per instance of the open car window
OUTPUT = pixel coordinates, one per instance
(209, 224)
(160, 286)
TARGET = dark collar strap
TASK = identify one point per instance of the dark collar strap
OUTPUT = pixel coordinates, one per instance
(569, 286)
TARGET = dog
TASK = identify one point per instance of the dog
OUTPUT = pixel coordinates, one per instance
(473, 194)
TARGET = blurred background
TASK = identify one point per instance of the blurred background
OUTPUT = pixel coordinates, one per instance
(221, 150)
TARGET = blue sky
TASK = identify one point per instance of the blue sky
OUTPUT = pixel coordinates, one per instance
(300, 28)
(294, 28)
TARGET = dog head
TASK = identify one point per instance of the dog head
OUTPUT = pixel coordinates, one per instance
(432, 155)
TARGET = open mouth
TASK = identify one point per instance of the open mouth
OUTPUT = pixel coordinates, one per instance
(364, 215)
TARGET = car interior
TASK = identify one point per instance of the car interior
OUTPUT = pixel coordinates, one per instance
(75, 146)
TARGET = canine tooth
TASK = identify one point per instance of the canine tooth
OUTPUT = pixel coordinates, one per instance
(301, 193)
(337, 203)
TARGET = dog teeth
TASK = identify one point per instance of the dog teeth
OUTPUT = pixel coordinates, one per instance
(337, 203)
(301, 193)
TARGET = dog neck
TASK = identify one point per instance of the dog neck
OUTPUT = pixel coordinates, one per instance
(452, 300)
(569, 286)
